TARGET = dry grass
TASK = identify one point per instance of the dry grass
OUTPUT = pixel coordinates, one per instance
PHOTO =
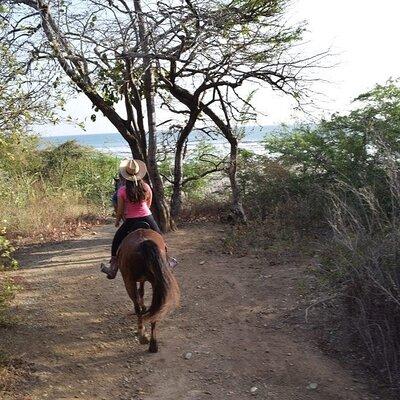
(44, 215)
(362, 266)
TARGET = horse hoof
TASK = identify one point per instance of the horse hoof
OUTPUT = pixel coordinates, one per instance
(143, 339)
(153, 348)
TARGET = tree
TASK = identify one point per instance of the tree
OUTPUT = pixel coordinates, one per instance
(23, 101)
(351, 147)
(206, 50)
(88, 53)
(197, 52)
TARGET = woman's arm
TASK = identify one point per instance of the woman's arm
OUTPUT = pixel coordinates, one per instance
(149, 196)
(120, 210)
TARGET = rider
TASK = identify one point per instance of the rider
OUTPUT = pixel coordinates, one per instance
(118, 182)
(133, 205)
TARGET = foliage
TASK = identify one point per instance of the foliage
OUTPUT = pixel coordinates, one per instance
(42, 189)
(6, 253)
(202, 169)
(362, 265)
(7, 286)
(271, 190)
(22, 101)
(349, 147)
(71, 166)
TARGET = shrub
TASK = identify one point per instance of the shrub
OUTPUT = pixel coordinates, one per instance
(63, 184)
(7, 287)
(72, 167)
(6, 253)
(273, 191)
(345, 172)
(363, 266)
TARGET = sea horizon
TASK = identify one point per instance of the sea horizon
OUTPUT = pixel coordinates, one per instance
(114, 143)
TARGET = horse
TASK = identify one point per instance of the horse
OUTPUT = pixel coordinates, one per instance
(142, 257)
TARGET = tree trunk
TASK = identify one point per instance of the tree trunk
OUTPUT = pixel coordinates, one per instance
(160, 204)
(176, 198)
(236, 206)
(190, 100)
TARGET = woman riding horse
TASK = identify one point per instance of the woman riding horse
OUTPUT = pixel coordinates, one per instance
(133, 204)
(141, 254)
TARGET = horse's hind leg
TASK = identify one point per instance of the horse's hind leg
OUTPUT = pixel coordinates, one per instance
(134, 295)
(141, 297)
(153, 348)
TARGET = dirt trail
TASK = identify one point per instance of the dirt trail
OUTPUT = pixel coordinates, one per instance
(75, 335)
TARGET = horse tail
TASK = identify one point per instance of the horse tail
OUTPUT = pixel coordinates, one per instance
(165, 286)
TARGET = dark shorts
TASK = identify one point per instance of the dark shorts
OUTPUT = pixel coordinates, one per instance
(129, 225)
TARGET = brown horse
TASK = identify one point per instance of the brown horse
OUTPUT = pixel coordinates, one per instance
(141, 258)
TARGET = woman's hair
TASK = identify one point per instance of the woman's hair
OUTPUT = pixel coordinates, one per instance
(135, 192)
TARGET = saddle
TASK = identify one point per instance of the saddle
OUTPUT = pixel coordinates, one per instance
(140, 225)
(144, 225)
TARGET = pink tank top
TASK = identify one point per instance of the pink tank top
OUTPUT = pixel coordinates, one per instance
(134, 210)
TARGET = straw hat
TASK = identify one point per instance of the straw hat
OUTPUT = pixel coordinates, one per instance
(133, 170)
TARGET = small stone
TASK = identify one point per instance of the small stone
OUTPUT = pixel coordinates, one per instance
(312, 386)
(254, 390)
(202, 262)
(188, 355)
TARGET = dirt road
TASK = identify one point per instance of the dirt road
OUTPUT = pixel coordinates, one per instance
(234, 336)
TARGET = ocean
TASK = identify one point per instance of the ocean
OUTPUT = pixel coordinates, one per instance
(114, 143)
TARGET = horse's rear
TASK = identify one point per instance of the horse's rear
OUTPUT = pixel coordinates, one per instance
(141, 258)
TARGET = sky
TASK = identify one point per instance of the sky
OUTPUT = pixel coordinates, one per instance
(362, 37)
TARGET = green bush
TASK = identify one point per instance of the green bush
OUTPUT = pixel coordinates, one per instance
(348, 168)
(71, 166)
(6, 253)
(7, 293)
(307, 161)
(7, 287)
(197, 184)
(271, 190)
(42, 190)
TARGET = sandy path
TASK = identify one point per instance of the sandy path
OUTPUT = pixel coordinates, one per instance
(75, 337)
